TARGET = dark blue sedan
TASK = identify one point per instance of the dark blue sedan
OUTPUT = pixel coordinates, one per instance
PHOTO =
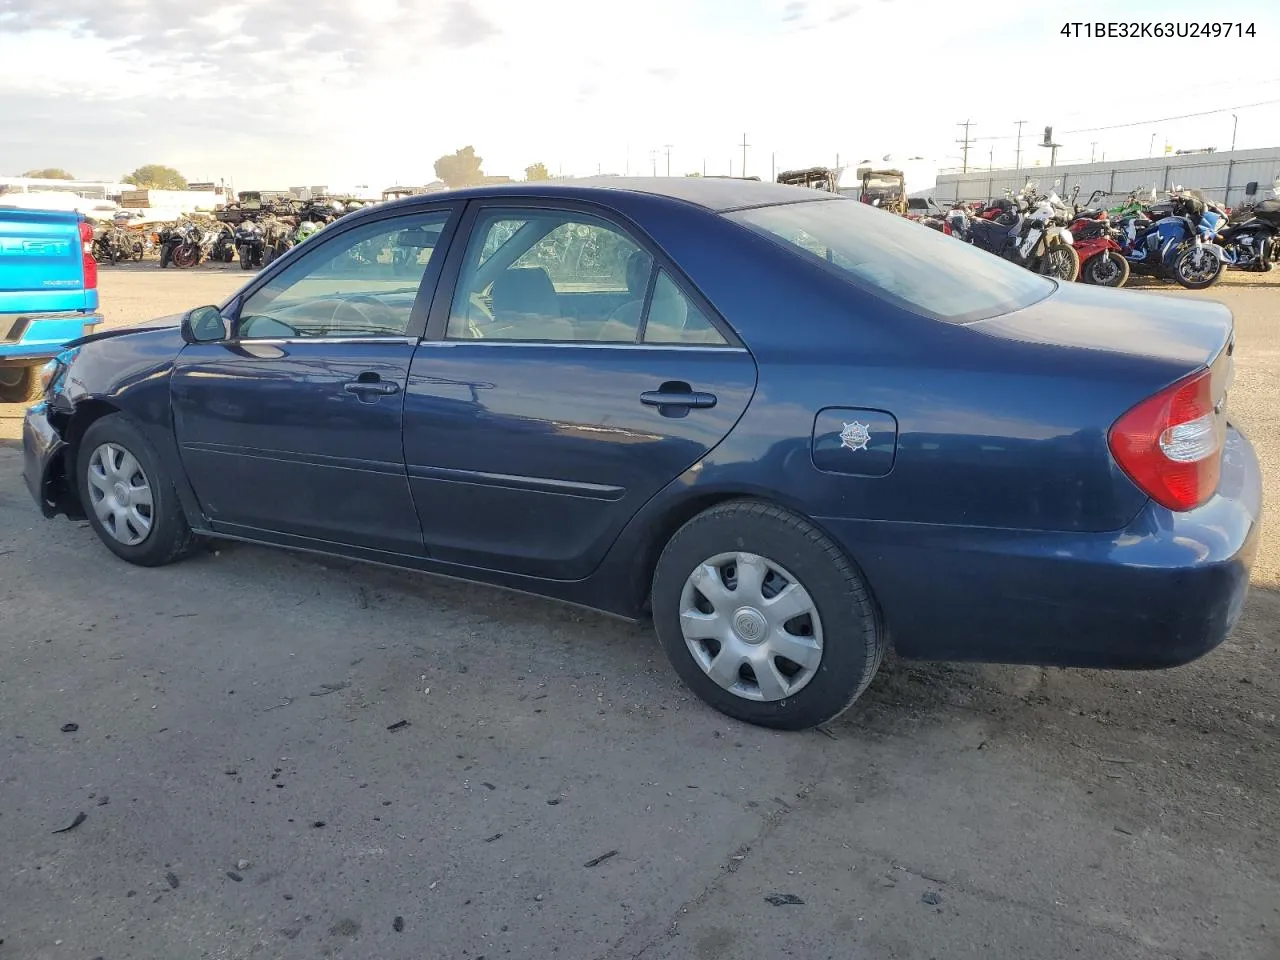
(787, 426)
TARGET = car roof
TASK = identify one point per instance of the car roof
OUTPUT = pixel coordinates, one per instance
(717, 194)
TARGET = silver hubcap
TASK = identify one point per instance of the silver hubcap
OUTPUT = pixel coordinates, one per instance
(120, 493)
(1198, 265)
(751, 626)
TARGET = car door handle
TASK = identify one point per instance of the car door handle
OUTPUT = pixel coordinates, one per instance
(677, 398)
(363, 387)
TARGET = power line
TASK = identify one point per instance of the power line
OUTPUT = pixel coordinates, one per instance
(1184, 116)
(1143, 123)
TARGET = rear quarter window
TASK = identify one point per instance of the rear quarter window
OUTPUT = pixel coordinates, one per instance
(905, 263)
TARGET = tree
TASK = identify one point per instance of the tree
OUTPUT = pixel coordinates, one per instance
(49, 173)
(156, 176)
(536, 171)
(460, 168)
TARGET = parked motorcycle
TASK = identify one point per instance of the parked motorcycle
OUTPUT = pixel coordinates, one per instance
(223, 249)
(115, 243)
(250, 244)
(1176, 242)
(1102, 260)
(1095, 238)
(1036, 239)
(1252, 244)
(182, 245)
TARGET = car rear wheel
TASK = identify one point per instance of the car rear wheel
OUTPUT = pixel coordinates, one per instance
(764, 617)
(127, 496)
(19, 384)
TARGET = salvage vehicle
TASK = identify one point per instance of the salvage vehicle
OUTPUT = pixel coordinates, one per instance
(813, 178)
(787, 428)
(886, 189)
(48, 293)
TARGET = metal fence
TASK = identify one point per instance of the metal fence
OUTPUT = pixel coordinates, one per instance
(1220, 176)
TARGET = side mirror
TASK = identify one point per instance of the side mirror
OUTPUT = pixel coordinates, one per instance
(205, 325)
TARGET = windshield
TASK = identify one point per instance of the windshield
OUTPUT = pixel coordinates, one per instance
(916, 268)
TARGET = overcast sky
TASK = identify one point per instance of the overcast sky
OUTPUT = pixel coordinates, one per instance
(276, 93)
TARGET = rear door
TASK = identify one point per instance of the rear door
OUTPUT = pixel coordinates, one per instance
(569, 374)
(292, 431)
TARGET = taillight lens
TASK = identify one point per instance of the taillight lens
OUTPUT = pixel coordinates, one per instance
(1171, 444)
(86, 255)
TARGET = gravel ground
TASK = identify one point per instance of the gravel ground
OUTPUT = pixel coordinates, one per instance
(554, 790)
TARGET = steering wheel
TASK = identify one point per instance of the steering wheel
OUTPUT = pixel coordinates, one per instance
(357, 304)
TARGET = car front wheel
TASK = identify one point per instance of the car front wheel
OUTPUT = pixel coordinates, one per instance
(129, 500)
(764, 617)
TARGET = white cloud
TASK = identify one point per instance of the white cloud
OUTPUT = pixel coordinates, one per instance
(279, 92)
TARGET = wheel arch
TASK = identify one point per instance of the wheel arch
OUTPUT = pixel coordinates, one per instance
(659, 528)
(59, 481)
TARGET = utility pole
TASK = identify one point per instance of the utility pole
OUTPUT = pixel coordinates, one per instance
(773, 165)
(744, 154)
(653, 160)
(1093, 145)
(1018, 162)
(965, 145)
(1053, 146)
(667, 147)
(1234, 123)
(991, 159)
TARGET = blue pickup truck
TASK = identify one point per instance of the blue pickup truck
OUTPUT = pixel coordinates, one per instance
(48, 293)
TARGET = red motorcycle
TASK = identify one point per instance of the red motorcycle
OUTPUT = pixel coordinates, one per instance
(1102, 260)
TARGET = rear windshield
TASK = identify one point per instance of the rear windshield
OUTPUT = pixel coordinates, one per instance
(909, 264)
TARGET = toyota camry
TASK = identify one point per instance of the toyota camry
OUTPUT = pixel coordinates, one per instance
(790, 428)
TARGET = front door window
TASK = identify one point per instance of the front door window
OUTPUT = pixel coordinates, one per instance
(360, 284)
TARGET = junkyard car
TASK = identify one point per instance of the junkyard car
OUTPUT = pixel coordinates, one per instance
(785, 426)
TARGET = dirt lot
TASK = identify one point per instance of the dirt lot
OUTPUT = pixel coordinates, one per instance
(556, 791)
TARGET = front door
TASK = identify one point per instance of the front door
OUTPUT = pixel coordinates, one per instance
(292, 429)
(572, 376)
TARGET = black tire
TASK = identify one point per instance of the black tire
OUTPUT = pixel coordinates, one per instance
(170, 537)
(1105, 269)
(853, 642)
(246, 257)
(1061, 262)
(1182, 265)
(186, 256)
(19, 384)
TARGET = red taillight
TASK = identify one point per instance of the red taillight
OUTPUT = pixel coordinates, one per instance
(86, 256)
(1171, 444)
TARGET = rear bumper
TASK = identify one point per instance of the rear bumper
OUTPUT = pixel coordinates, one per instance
(41, 336)
(1162, 592)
